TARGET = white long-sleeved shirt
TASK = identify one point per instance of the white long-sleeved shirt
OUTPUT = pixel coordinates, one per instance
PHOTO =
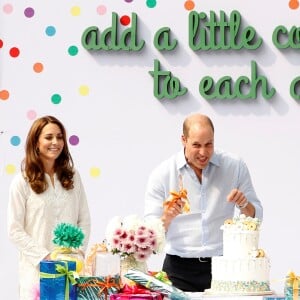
(32, 218)
(198, 233)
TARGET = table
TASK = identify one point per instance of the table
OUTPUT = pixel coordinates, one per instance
(203, 296)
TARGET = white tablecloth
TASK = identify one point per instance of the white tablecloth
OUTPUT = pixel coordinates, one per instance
(201, 296)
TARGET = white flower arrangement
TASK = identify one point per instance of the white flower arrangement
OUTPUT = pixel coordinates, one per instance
(242, 222)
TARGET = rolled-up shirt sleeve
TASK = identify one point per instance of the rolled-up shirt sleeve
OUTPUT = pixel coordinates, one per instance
(246, 186)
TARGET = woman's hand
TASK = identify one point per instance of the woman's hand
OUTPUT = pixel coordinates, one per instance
(47, 257)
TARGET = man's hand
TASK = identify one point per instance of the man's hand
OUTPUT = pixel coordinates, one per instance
(171, 210)
(240, 200)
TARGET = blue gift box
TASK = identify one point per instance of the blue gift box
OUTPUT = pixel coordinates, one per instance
(57, 280)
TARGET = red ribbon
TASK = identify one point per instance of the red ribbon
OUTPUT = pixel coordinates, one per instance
(134, 289)
(137, 289)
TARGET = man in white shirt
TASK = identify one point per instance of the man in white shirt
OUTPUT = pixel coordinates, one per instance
(218, 186)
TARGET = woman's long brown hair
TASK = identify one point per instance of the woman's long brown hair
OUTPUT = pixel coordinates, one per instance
(32, 164)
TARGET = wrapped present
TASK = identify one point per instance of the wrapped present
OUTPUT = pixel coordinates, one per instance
(97, 287)
(135, 292)
(69, 254)
(100, 262)
(57, 280)
(90, 262)
(292, 287)
(68, 239)
(161, 275)
(146, 296)
(156, 285)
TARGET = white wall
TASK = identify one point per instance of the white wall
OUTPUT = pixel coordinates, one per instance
(125, 131)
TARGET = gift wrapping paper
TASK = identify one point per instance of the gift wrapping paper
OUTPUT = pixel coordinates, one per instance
(143, 296)
(57, 280)
(97, 287)
(292, 287)
(154, 284)
(135, 292)
(291, 294)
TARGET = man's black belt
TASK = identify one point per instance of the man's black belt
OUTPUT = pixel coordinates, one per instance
(190, 259)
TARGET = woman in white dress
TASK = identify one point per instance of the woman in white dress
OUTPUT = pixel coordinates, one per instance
(46, 192)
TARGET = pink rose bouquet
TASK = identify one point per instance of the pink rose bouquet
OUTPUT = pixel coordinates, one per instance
(135, 237)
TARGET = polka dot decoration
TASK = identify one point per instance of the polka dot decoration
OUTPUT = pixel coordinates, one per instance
(74, 140)
(151, 3)
(7, 8)
(56, 98)
(4, 94)
(50, 30)
(73, 50)
(101, 10)
(10, 169)
(95, 172)
(29, 12)
(14, 52)
(15, 140)
(293, 4)
(38, 67)
(125, 20)
(75, 11)
(84, 90)
(189, 5)
(31, 114)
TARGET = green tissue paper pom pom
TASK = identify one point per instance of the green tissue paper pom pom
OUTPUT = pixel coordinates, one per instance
(68, 235)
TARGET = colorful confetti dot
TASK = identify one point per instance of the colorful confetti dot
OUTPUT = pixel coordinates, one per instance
(4, 94)
(1, 43)
(14, 52)
(101, 10)
(15, 140)
(10, 169)
(50, 30)
(74, 140)
(151, 3)
(293, 4)
(95, 172)
(84, 90)
(7, 8)
(73, 50)
(189, 5)
(75, 11)
(31, 115)
(29, 12)
(56, 98)
(38, 67)
(125, 20)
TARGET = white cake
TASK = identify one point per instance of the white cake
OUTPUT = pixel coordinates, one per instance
(243, 268)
